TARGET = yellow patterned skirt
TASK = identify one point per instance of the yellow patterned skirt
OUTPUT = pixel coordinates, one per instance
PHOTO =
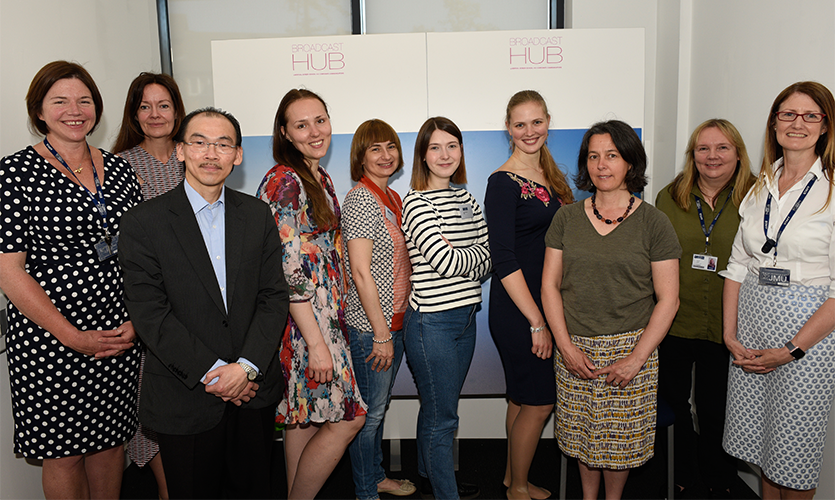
(600, 425)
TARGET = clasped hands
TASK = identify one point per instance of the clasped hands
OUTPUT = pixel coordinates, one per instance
(232, 384)
(618, 374)
(757, 360)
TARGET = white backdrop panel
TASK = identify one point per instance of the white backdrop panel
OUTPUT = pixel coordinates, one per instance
(360, 77)
(584, 75)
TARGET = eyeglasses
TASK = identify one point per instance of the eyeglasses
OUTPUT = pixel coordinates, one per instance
(203, 146)
(788, 116)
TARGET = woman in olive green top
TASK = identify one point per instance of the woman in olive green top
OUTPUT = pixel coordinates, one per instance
(703, 205)
(609, 292)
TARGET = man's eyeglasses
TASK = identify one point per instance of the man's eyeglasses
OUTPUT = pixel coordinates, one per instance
(220, 147)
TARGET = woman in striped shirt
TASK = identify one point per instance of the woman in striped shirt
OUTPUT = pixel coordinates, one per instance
(447, 241)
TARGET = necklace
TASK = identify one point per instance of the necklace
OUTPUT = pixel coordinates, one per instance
(610, 221)
(79, 169)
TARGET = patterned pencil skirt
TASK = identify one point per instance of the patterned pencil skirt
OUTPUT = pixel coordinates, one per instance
(600, 425)
(778, 420)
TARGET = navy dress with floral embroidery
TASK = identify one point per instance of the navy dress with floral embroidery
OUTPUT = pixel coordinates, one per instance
(519, 212)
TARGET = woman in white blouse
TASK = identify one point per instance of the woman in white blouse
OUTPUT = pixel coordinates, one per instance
(779, 299)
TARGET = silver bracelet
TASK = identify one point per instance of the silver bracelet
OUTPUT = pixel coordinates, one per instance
(383, 341)
(537, 329)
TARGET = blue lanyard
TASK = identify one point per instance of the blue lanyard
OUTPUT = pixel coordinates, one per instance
(98, 198)
(772, 243)
(709, 230)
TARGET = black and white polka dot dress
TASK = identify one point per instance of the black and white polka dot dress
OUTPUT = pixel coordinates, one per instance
(64, 402)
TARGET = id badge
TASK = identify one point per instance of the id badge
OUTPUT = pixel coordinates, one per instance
(466, 211)
(106, 251)
(775, 276)
(390, 216)
(704, 262)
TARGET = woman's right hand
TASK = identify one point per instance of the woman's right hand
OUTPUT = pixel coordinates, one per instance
(319, 363)
(738, 351)
(576, 361)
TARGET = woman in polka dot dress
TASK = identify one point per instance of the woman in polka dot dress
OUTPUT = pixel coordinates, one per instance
(72, 359)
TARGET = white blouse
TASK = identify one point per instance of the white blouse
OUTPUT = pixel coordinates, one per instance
(807, 246)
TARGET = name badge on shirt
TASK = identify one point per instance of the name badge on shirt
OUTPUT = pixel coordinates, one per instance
(704, 262)
(390, 216)
(775, 276)
(466, 211)
(106, 251)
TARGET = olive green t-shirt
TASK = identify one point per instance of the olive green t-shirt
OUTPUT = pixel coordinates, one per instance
(700, 292)
(607, 280)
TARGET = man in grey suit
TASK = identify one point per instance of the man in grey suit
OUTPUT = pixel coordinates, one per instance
(205, 290)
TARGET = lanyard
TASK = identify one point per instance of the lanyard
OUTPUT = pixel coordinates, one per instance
(772, 243)
(709, 230)
(98, 198)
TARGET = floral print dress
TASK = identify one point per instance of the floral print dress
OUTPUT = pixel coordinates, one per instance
(314, 272)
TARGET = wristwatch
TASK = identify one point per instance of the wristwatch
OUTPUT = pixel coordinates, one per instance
(795, 351)
(250, 371)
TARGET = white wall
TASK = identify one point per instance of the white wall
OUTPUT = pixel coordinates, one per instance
(114, 40)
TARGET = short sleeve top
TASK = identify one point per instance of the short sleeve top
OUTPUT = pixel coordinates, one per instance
(607, 280)
(366, 215)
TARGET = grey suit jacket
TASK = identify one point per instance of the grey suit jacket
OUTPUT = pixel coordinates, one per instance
(174, 301)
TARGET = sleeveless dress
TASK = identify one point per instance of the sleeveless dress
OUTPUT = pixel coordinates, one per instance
(314, 271)
(66, 403)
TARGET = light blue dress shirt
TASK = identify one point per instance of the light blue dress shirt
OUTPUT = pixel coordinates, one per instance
(211, 218)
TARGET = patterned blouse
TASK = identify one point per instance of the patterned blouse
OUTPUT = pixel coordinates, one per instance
(365, 214)
(155, 177)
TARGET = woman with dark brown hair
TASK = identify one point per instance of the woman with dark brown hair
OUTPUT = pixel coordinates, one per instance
(152, 117)
(610, 292)
(72, 359)
(322, 408)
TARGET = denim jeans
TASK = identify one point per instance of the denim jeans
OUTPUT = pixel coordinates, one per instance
(375, 389)
(439, 349)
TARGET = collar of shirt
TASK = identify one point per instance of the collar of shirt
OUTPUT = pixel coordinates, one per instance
(816, 169)
(197, 202)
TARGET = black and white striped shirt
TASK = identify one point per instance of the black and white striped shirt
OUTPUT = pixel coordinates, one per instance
(445, 277)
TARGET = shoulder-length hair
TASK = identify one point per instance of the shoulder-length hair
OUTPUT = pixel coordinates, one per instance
(824, 148)
(285, 153)
(420, 170)
(371, 132)
(742, 180)
(45, 79)
(130, 132)
(549, 167)
(628, 145)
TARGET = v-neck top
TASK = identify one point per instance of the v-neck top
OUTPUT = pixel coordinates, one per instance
(607, 279)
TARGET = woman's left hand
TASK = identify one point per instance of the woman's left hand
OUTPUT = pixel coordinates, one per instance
(621, 372)
(764, 360)
(124, 334)
(382, 356)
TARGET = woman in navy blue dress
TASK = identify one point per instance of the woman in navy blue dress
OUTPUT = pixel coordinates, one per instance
(522, 197)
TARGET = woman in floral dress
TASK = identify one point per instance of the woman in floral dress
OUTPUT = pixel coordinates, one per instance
(322, 407)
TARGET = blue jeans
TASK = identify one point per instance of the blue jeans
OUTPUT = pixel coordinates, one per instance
(375, 389)
(439, 349)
